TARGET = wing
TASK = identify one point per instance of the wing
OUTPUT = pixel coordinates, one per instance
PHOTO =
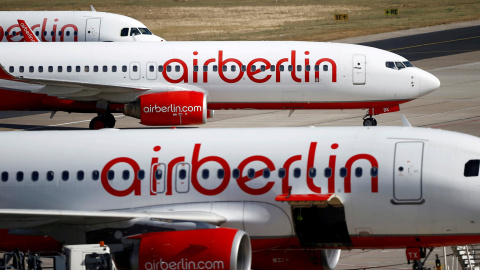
(77, 90)
(25, 218)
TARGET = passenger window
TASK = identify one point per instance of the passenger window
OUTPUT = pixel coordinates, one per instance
(244, 68)
(177, 68)
(4, 176)
(141, 174)
(290, 68)
(358, 172)
(297, 172)
(40, 69)
(215, 68)
(50, 175)
(471, 168)
(35, 176)
(80, 175)
(282, 68)
(22, 69)
(220, 174)
(224, 68)
(66, 33)
(37, 33)
(114, 68)
(205, 173)
(125, 175)
(317, 68)
(160, 68)
(69, 68)
(50, 68)
(299, 68)
(253, 68)
(262, 67)
(86, 69)
(11, 69)
(312, 172)
(75, 33)
(59, 33)
(19, 176)
(110, 175)
(272, 68)
(399, 65)
(374, 172)
(282, 173)
(328, 172)
(233, 68)
(59, 68)
(105, 68)
(135, 68)
(390, 65)
(44, 33)
(31, 69)
(266, 173)
(158, 174)
(52, 33)
(124, 32)
(151, 68)
(307, 68)
(124, 68)
(65, 175)
(325, 68)
(251, 173)
(195, 68)
(169, 68)
(182, 174)
(343, 172)
(95, 175)
(95, 68)
(205, 68)
(236, 173)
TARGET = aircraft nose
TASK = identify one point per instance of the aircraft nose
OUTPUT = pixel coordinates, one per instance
(427, 83)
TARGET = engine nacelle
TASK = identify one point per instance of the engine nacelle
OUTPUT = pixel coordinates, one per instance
(220, 248)
(173, 108)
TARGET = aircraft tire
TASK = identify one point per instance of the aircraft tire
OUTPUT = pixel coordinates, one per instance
(98, 123)
(369, 122)
(110, 120)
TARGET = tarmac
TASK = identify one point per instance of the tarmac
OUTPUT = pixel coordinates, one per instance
(454, 106)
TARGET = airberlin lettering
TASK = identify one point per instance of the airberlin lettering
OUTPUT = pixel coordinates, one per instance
(257, 75)
(9, 33)
(172, 108)
(197, 162)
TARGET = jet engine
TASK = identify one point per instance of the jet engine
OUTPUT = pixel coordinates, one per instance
(220, 248)
(170, 108)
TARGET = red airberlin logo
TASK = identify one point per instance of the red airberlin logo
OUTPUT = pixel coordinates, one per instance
(172, 108)
(14, 31)
(242, 181)
(257, 70)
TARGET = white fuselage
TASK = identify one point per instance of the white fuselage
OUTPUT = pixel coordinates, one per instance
(425, 194)
(307, 75)
(73, 26)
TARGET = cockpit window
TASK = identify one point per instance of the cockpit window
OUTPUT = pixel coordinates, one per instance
(124, 32)
(134, 32)
(471, 168)
(399, 65)
(145, 31)
(407, 64)
(390, 65)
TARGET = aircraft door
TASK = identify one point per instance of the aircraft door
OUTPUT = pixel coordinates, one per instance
(92, 30)
(151, 71)
(359, 69)
(135, 72)
(157, 178)
(182, 177)
(407, 174)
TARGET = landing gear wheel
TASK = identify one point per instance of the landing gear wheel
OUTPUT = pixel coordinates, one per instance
(98, 123)
(368, 122)
(110, 120)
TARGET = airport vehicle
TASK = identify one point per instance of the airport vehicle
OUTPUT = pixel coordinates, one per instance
(73, 257)
(180, 83)
(74, 26)
(283, 197)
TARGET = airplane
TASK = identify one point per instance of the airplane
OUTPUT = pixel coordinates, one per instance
(74, 26)
(181, 83)
(265, 198)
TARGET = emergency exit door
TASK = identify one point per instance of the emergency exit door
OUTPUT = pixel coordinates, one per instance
(92, 30)
(359, 72)
(407, 172)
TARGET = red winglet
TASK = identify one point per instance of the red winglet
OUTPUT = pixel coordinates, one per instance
(303, 197)
(27, 32)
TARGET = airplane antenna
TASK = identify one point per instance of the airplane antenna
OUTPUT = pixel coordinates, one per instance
(93, 9)
(405, 121)
(291, 112)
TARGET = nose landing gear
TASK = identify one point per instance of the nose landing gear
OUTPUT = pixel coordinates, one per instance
(369, 121)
